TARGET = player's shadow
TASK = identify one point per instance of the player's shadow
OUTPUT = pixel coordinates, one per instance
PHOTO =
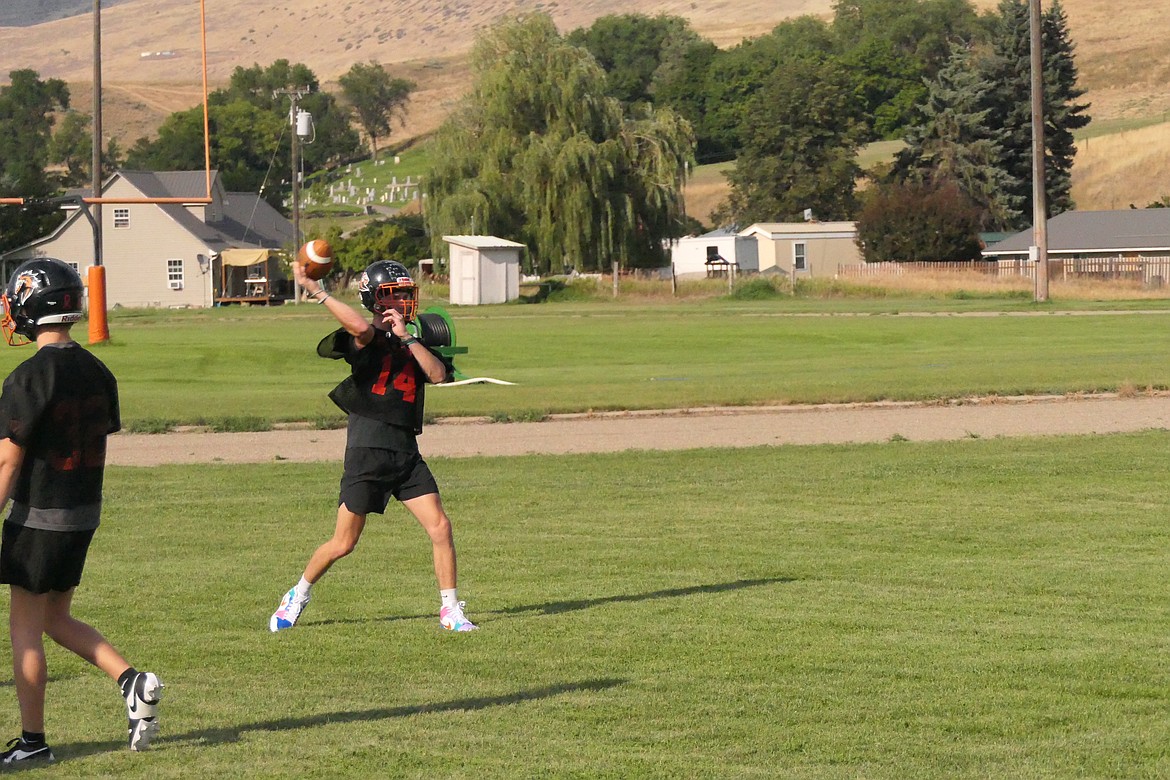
(226, 734)
(557, 607)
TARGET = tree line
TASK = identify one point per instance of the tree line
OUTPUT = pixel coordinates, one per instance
(578, 144)
(46, 146)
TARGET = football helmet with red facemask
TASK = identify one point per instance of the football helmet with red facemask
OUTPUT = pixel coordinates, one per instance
(386, 285)
(43, 291)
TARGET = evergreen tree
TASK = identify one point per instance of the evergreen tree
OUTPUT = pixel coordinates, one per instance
(978, 116)
(1063, 115)
(1008, 72)
(540, 154)
(957, 141)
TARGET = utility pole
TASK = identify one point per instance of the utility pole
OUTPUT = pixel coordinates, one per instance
(1039, 197)
(295, 96)
(99, 327)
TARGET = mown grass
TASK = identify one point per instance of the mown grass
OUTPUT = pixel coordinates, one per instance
(234, 369)
(981, 608)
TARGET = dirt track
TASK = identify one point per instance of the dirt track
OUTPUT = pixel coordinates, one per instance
(680, 429)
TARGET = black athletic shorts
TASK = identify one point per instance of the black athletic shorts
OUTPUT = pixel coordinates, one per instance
(40, 561)
(372, 476)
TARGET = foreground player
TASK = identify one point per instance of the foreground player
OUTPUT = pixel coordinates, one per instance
(383, 397)
(56, 410)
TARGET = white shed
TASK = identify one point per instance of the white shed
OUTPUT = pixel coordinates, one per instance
(484, 269)
(690, 254)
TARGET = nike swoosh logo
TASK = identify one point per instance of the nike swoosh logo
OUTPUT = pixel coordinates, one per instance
(134, 703)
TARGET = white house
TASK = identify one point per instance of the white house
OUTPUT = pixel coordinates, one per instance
(484, 269)
(689, 255)
(806, 249)
(171, 254)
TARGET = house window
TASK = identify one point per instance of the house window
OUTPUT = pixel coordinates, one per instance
(799, 256)
(122, 218)
(175, 273)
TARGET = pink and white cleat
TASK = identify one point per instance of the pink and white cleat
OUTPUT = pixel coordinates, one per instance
(453, 619)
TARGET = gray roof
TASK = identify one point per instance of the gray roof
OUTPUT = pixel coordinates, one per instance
(1128, 230)
(248, 220)
(722, 232)
(170, 184)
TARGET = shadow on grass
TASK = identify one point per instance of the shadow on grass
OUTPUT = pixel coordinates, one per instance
(225, 734)
(557, 607)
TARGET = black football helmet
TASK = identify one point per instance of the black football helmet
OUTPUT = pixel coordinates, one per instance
(44, 291)
(387, 285)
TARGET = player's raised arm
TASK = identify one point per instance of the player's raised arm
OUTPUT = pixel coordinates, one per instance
(351, 319)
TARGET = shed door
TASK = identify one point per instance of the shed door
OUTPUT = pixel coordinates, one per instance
(469, 276)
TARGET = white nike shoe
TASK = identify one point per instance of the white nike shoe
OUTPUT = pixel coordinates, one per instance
(289, 611)
(142, 708)
(453, 619)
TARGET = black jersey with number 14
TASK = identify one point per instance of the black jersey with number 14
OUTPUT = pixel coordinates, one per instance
(385, 382)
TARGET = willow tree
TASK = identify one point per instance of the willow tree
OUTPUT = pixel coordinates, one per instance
(539, 154)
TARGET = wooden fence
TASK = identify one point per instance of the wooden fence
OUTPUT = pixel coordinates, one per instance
(1150, 270)
(869, 270)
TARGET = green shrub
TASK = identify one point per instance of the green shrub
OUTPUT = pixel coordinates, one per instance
(149, 425)
(755, 288)
(241, 424)
(975, 295)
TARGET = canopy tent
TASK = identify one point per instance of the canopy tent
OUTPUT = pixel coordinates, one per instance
(248, 275)
(244, 257)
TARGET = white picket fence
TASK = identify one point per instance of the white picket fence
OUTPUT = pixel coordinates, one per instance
(1150, 270)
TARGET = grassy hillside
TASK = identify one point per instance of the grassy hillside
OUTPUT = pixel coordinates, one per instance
(26, 13)
(1123, 61)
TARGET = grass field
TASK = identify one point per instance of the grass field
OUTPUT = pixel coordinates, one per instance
(983, 608)
(244, 369)
(978, 608)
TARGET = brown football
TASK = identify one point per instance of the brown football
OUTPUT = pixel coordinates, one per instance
(316, 257)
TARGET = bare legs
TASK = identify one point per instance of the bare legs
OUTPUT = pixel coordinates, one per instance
(31, 616)
(345, 537)
(428, 510)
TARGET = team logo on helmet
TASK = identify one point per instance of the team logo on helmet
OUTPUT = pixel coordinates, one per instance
(22, 288)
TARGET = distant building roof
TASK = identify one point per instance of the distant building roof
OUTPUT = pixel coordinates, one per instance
(481, 242)
(247, 219)
(992, 237)
(786, 230)
(1126, 230)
